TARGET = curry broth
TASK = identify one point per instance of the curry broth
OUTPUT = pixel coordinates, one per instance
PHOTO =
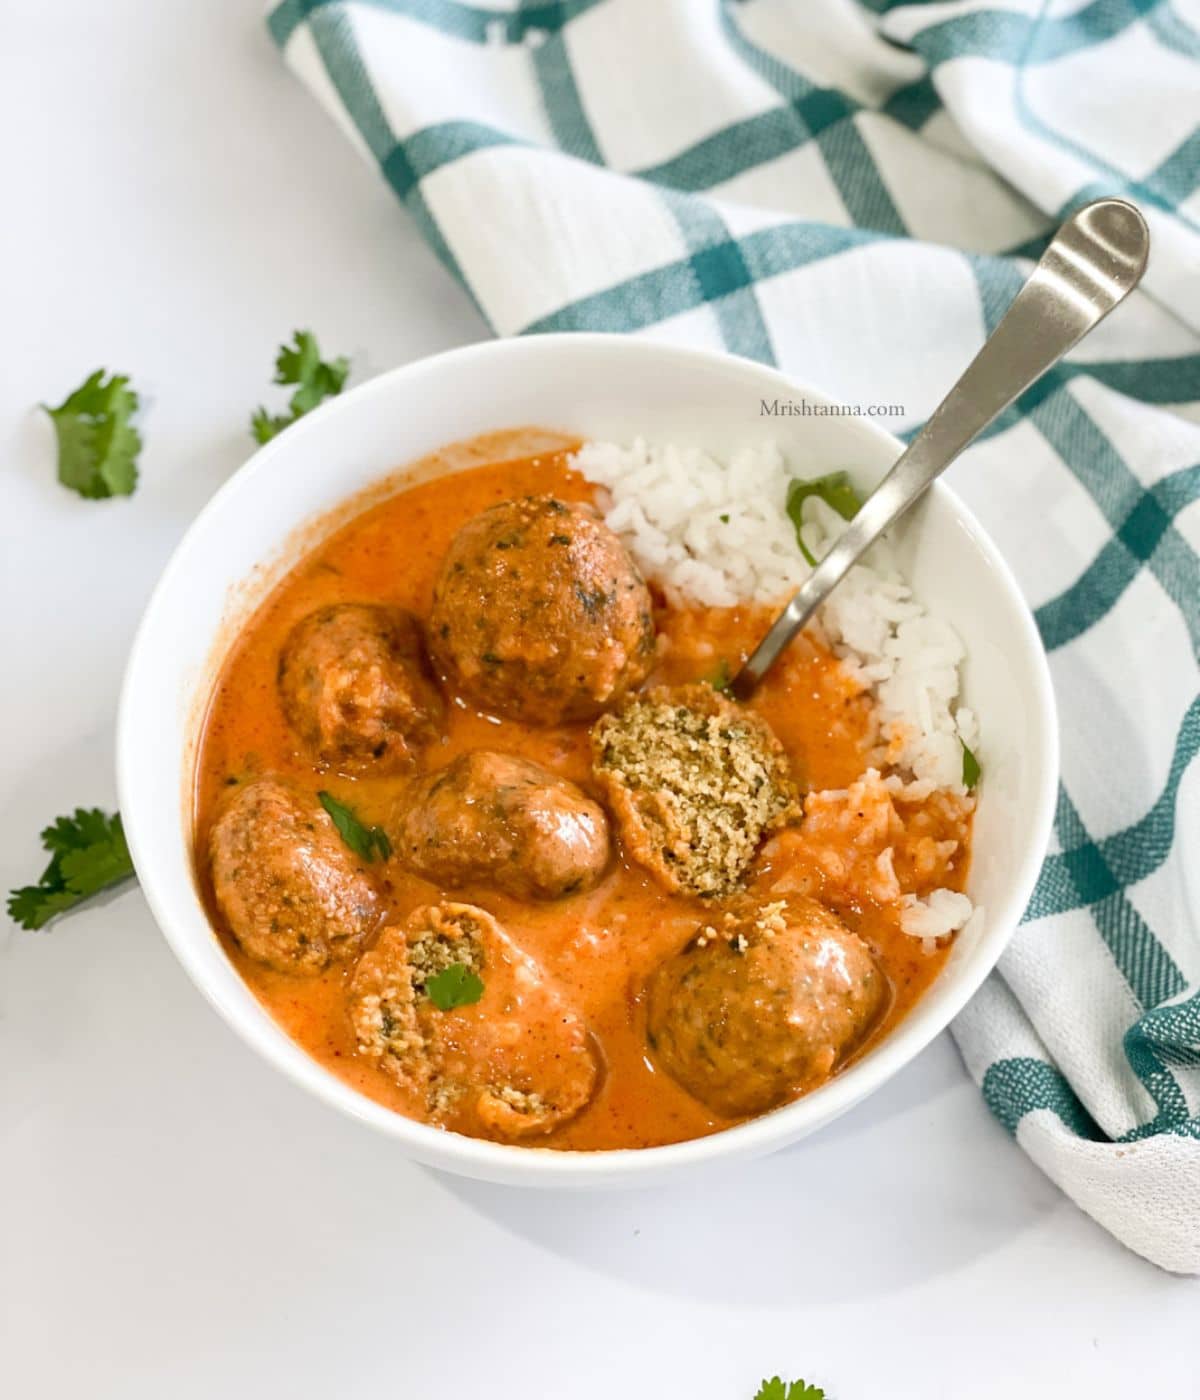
(601, 945)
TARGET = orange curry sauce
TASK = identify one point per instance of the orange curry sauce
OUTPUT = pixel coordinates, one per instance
(601, 945)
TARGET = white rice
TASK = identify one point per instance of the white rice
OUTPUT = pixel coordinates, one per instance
(939, 913)
(707, 532)
(717, 534)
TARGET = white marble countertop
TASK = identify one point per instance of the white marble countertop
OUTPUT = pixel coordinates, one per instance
(177, 1219)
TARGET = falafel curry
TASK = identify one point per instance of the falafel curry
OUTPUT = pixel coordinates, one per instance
(478, 823)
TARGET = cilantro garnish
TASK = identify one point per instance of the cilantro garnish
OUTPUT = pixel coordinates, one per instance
(775, 1389)
(88, 854)
(971, 769)
(97, 444)
(834, 489)
(455, 985)
(722, 678)
(367, 842)
(300, 364)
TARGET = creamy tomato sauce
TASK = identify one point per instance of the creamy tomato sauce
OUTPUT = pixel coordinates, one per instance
(599, 946)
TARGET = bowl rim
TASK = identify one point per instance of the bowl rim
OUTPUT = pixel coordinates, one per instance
(539, 1165)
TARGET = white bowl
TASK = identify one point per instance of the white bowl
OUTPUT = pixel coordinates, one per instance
(602, 387)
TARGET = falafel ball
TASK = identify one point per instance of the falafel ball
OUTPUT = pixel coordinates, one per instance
(540, 614)
(694, 782)
(293, 894)
(509, 821)
(357, 689)
(514, 1062)
(765, 1009)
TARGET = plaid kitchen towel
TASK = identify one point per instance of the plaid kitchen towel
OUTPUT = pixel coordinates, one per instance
(852, 189)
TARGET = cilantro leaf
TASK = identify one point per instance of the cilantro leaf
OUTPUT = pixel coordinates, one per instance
(722, 678)
(367, 842)
(303, 365)
(88, 854)
(265, 426)
(834, 489)
(95, 867)
(971, 770)
(85, 828)
(775, 1389)
(315, 380)
(98, 446)
(455, 985)
(33, 906)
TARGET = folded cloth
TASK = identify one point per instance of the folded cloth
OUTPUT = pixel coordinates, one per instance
(852, 189)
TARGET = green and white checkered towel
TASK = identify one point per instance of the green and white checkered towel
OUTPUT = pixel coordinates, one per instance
(851, 189)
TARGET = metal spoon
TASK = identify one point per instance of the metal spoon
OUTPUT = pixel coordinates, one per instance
(1093, 262)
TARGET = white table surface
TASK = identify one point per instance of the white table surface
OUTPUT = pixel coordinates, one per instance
(175, 1218)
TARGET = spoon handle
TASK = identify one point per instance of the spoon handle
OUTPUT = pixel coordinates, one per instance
(1095, 259)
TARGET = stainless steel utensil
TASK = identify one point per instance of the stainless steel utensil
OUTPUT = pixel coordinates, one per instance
(1095, 259)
